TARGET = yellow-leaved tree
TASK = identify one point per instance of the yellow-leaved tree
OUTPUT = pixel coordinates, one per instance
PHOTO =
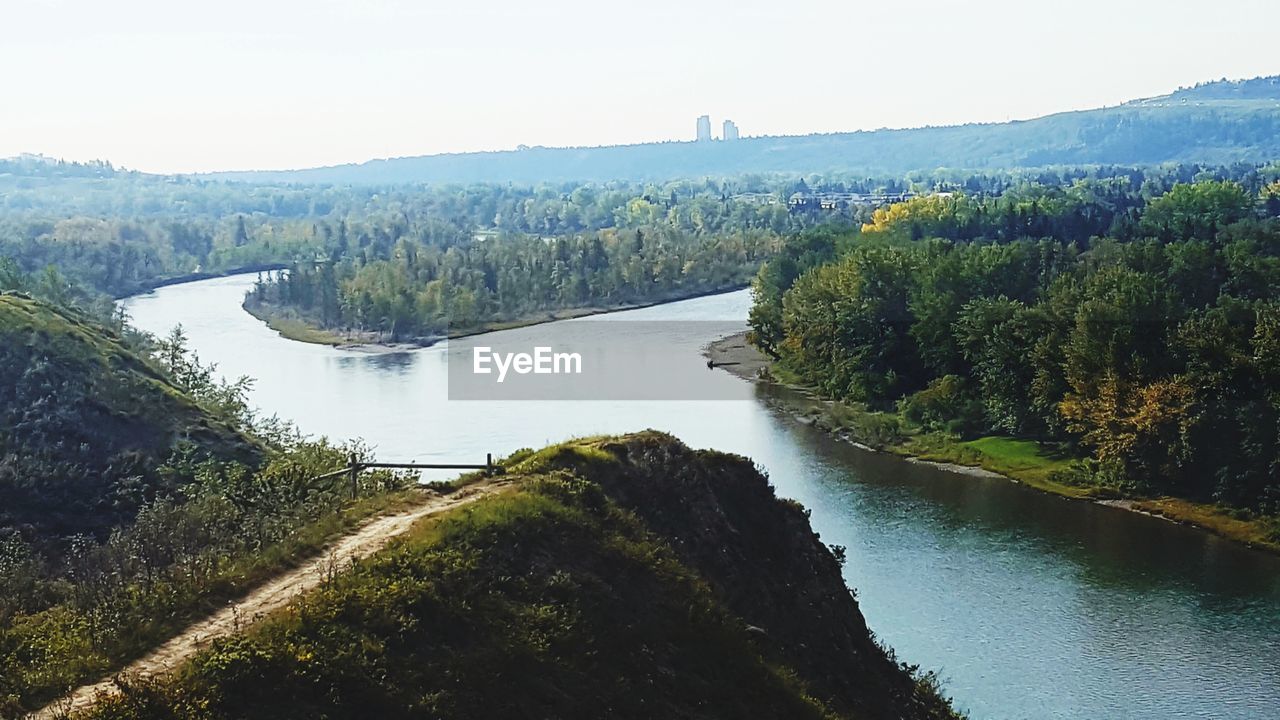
(1139, 432)
(921, 217)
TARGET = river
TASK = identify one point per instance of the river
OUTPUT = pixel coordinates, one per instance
(1028, 605)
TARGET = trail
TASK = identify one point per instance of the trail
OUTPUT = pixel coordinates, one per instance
(269, 597)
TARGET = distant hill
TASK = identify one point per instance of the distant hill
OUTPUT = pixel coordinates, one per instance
(1219, 123)
(625, 578)
(1263, 88)
(85, 422)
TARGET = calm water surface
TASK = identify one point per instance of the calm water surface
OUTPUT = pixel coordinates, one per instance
(1028, 605)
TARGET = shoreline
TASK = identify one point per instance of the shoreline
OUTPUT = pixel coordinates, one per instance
(157, 283)
(735, 355)
(293, 327)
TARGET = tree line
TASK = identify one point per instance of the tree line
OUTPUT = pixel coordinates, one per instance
(117, 232)
(1142, 328)
(416, 290)
(489, 254)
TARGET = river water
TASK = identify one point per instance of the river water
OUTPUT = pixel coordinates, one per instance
(1028, 605)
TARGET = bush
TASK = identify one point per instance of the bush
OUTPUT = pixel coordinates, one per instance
(947, 404)
(879, 430)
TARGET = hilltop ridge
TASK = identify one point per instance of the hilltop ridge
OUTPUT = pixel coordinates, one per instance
(1221, 122)
(1259, 88)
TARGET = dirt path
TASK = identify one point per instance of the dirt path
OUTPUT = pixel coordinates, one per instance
(269, 597)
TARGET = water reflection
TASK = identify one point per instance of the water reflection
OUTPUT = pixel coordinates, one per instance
(399, 363)
(1132, 551)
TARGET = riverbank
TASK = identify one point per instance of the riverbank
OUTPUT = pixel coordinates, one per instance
(157, 283)
(1020, 461)
(293, 326)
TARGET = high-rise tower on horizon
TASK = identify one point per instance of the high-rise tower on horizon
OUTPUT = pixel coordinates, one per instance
(730, 130)
(704, 128)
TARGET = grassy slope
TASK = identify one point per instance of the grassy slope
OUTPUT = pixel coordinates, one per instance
(56, 655)
(84, 424)
(1025, 460)
(587, 592)
(80, 412)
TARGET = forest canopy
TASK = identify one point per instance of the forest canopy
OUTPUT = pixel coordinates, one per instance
(1138, 327)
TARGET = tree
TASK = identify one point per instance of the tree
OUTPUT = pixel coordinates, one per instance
(1139, 433)
(1196, 211)
(848, 327)
(996, 336)
(1271, 199)
(241, 234)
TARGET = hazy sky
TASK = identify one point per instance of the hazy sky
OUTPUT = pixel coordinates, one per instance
(180, 86)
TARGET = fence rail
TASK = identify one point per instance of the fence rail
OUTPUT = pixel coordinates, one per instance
(354, 467)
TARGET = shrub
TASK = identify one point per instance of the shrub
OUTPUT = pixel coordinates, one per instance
(947, 404)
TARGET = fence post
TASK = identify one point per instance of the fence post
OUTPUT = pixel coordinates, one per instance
(488, 463)
(355, 474)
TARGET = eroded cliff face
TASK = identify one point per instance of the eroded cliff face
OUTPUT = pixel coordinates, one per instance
(762, 559)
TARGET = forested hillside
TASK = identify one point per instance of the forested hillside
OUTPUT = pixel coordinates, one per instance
(135, 490)
(615, 580)
(401, 262)
(1138, 329)
(1214, 123)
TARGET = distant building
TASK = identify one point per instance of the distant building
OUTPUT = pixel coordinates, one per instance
(730, 130)
(839, 200)
(757, 198)
(704, 128)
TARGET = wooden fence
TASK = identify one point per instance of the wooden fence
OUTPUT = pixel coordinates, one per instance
(354, 467)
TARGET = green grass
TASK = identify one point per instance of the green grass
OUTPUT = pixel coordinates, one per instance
(81, 411)
(1020, 456)
(297, 330)
(1026, 461)
(565, 604)
(1045, 468)
(1260, 532)
(1048, 469)
(55, 639)
(560, 455)
(292, 327)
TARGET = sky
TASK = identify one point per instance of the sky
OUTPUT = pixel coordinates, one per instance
(177, 86)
